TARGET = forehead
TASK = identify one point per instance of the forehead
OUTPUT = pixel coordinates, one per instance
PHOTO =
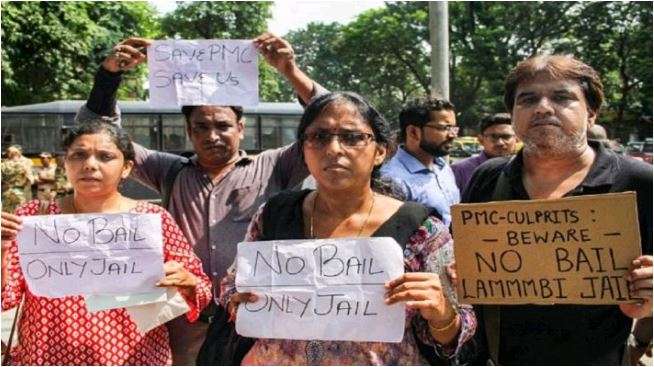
(446, 117)
(100, 140)
(212, 113)
(339, 115)
(545, 84)
(499, 129)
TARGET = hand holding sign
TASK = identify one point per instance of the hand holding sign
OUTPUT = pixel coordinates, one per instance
(126, 55)
(277, 51)
(11, 225)
(424, 292)
(178, 276)
(639, 277)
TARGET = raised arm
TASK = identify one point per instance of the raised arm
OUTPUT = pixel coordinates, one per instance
(280, 55)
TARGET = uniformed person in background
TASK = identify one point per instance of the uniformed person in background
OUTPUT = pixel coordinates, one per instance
(45, 178)
(62, 186)
(17, 179)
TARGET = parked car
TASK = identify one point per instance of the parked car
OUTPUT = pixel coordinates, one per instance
(640, 150)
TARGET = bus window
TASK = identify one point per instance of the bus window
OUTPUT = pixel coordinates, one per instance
(174, 134)
(35, 133)
(142, 129)
(251, 140)
(289, 129)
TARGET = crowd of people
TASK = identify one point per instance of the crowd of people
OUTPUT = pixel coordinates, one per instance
(222, 196)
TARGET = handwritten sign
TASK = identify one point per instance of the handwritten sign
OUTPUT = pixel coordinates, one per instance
(203, 72)
(330, 289)
(569, 251)
(85, 254)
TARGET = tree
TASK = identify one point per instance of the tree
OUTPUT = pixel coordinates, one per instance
(616, 39)
(226, 20)
(50, 50)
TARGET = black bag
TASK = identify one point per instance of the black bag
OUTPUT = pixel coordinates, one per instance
(223, 346)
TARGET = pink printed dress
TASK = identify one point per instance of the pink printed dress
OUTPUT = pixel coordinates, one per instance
(59, 331)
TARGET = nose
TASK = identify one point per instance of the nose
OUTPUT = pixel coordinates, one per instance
(90, 164)
(544, 106)
(333, 146)
(213, 135)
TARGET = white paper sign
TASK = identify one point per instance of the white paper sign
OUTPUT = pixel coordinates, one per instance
(203, 72)
(85, 254)
(330, 289)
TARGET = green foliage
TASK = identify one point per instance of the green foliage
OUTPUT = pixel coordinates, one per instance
(50, 50)
(384, 53)
(226, 20)
(217, 19)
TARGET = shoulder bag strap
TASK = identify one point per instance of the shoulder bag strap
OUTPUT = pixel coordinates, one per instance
(492, 312)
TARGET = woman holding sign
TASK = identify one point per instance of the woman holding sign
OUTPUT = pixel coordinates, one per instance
(60, 331)
(344, 141)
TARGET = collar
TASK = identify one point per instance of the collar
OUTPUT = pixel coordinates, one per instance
(243, 159)
(603, 171)
(412, 164)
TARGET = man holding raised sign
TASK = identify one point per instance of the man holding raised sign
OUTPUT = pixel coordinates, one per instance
(213, 194)
(553, 101)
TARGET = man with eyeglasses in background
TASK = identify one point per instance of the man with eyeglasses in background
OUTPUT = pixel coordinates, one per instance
(498, 139)
(419, 167)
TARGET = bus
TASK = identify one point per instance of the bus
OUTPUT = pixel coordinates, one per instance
(40, 127)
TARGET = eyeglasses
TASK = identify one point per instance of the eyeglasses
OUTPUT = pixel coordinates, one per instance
(497, 137)
(321, 139)
(445, 128)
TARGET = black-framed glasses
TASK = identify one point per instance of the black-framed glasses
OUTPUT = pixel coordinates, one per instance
(497, 137)
(445, 128)
(350, 140)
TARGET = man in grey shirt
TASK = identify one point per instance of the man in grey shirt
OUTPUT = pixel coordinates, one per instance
(217, 190)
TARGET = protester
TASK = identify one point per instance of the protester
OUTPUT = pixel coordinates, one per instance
(497, 138)
(17, 179)
(213, 194)
(60, 331)
(553, 100)
(344, 141)
(45, 178)
(598, 132)
(419, 167)
(62, 186)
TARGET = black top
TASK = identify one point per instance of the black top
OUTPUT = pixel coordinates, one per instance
(565, 334)
(283, 219)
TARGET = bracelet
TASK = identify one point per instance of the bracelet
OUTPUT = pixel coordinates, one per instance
(446, 327)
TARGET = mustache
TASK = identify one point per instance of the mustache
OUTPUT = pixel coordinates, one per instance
(217, 144)
(544, 121)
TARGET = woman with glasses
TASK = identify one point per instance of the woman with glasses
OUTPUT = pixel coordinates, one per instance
(344, 141)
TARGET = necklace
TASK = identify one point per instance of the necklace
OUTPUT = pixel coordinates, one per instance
(365, 222)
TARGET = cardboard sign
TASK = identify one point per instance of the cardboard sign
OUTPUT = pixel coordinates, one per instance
(331, 289)
(87, 254)
(568, 251)
(203, 72)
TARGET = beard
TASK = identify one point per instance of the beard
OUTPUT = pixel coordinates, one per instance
(553, 142)
(436, 149)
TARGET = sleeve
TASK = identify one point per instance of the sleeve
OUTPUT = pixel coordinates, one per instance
(177, 248)
(430, 249)
(289, 169)
(14, 289)
(102, 99)
(228, 283)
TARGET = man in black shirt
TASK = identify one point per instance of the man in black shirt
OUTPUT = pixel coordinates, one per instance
(553, 101)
